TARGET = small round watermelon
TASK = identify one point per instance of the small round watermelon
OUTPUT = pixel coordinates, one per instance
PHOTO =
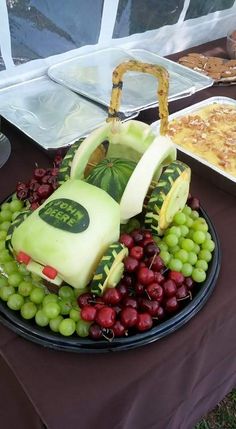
(112, 175)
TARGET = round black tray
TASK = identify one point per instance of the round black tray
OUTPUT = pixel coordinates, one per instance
(46, 338)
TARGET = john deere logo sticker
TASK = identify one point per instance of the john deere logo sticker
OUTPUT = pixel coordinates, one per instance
(65, 214)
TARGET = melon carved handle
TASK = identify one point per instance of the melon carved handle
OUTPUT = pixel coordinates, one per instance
(162, 90)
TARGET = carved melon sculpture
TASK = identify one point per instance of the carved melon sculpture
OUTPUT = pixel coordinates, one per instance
(73, 236)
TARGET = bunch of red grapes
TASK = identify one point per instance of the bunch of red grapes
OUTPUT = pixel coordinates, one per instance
(147, 294)
(41, 186)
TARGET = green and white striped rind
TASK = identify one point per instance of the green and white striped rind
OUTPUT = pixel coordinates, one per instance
(114, 255)
(159, 194)
(112, 175)
(17, 221)
(64, 170)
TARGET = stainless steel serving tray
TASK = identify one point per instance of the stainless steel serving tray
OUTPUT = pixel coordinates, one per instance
(91, 76)
(224, 180)
(50, 114)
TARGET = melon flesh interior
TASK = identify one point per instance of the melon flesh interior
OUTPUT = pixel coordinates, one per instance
(74, 255)
(127, 140)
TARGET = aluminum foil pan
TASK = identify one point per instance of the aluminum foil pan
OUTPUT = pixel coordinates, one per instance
(91, 76)
(50, 114)
(215, 174)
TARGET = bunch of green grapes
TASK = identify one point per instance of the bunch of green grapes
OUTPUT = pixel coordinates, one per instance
(187, 245)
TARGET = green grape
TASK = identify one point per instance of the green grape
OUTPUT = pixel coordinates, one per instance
(199, 237)
(205, 255)
(184, 230)
(163, 246)
(15, 279)
(189, 222)
(196, 248)
(41, 319)
(16, 205)
(3, 281)
(182, 255)
(187, 210)
(173, 250)
(208, 236)
(51, 309)
(202, 264)
(75, 314)
(5, 206)
(175, 264)
(5, 256)
(37, 295)
(208, 245)
(187, 244)
(51, 297)
(194, 214)
(28, 310)
(156, 239)
(15, 301)
(171, 240)
(180, 218)
(10, 267)
(174, 230)
(192, 258)
(200, 225)
(65, 307)
(66, 292)
(3, 235)
(6, 291)
(6, 215)
(187, 269)
(67, 327)
(36, 278)
(25, 288)
(4, 226)
(23, 270)
(165, 256)
(82, 328)
(55, 323)
(198, 275)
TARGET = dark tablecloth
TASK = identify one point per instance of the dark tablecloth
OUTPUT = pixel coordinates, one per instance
(169, 384)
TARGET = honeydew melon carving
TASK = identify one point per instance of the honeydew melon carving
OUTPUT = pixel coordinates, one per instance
(73, 254)
(65, 168)
(169, 197)
(161, 152)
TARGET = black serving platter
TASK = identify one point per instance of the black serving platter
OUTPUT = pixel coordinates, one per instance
(43, 336)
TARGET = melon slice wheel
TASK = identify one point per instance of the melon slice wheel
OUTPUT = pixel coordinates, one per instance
(168, 197)
(110, 269)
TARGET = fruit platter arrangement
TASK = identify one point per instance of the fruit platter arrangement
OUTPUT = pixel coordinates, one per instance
(107, 249)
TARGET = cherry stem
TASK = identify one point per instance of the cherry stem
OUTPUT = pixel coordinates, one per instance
(152, 261)
(105, 333)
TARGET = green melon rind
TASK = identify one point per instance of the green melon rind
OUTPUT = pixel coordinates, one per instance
(112, 176)
(17, 221)
(65, 168)
(172, 173)
(116, 252)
